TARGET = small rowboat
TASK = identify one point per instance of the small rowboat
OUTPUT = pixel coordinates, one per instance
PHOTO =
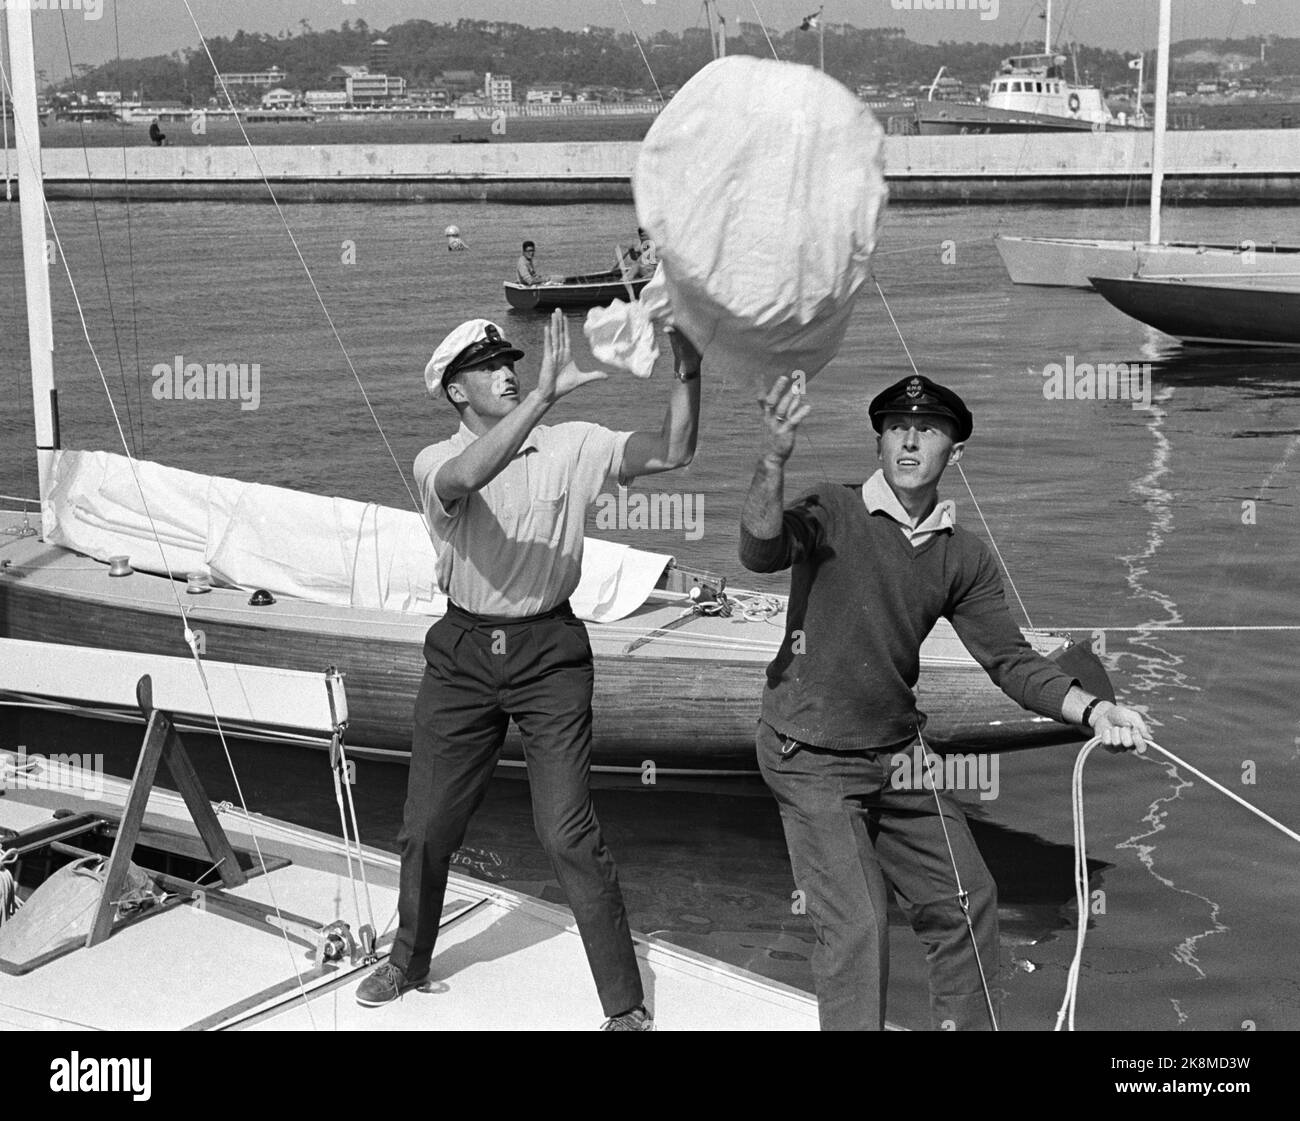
(596, 289)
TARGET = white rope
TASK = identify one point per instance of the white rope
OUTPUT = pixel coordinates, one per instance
(1081, 884)
(9, 901)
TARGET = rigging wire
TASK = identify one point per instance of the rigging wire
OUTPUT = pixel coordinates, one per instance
(130, 243)
(99, 239)
(969, 489)
(759, 15)
(190, 638)
(963, 896)
(347, 357)
(636, 39)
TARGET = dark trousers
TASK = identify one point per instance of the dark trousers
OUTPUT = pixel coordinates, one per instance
(479, 673)
(849, 833)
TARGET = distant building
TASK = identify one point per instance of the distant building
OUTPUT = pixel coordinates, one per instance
(267, 78)
(279, 98)
(498, 88)
(325, 99)
(377, 59)
(108, 97)
(435, 95)
(544, 95)
(374, 89)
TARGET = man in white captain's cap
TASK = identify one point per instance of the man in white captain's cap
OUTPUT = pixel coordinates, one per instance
(506, 499)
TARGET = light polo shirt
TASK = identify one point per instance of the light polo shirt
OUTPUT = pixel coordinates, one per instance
(514, 547)
(527, 271)
(881, 499)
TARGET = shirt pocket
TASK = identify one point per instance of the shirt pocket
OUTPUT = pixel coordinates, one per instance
(547, 513)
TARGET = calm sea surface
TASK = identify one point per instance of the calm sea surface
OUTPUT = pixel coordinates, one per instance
(1109, 518)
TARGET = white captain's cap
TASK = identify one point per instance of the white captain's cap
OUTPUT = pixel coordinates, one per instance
(474, 343)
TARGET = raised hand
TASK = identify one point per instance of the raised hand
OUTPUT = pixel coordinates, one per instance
(559, 374)
(784, 407)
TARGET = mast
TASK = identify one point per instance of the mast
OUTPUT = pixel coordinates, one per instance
(1047, 33)
(1162, 113)
(31, 205)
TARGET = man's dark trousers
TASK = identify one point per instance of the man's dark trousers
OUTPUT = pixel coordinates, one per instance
(480, 672)
(849, 831)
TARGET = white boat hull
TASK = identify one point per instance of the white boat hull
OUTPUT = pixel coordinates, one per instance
(1063, 262)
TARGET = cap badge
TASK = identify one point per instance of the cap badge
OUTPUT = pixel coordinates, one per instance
(491, 334)
(914, 388)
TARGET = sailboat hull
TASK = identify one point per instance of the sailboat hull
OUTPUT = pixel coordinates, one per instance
(1218, 313)
(683, 697)
(1063, 262)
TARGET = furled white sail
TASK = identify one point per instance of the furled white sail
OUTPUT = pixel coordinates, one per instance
(762, 184)
(313, 547)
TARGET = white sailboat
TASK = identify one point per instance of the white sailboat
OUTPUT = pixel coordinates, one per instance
(1068, 262)
(679, 657)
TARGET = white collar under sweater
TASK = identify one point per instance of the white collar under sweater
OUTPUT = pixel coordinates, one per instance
(880, 498)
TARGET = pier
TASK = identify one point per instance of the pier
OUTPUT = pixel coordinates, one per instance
(1248, 165)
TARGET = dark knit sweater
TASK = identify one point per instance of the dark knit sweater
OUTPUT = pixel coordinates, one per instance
(862, 600)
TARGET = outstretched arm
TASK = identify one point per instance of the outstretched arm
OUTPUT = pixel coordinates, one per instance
(487, 456)
(765, 541)
(648, 453)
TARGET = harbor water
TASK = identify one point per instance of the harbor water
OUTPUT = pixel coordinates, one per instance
(1162, 529)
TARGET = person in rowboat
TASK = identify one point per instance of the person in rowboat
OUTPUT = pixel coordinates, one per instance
(506, 498)
(874, 566)
(525, 268)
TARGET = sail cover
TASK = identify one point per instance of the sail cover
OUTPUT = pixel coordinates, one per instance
(761, 184)
(313, 547)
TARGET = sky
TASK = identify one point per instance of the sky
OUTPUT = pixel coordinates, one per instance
(151, 27)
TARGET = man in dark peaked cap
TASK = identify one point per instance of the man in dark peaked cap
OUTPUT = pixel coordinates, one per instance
(873, 569)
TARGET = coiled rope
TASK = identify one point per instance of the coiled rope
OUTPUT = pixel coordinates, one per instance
(1065, 1015)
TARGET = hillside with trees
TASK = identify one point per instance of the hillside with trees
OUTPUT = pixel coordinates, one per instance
(420, 50)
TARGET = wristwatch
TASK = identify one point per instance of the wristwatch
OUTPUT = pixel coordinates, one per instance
(1087, 712)
(687, 375)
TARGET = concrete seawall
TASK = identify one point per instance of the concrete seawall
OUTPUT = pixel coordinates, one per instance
(1223, 167)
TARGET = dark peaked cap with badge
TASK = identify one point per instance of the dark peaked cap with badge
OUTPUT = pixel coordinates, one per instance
(918, 394)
